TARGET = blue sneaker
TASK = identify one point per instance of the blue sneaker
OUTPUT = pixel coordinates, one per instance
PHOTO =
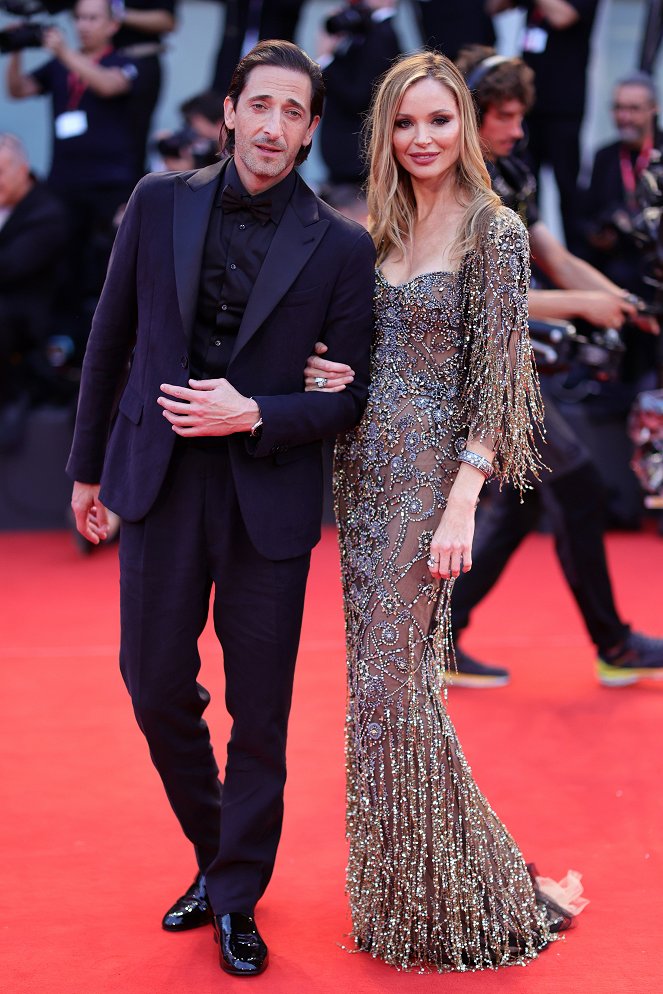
(471, 673)
(640, 658)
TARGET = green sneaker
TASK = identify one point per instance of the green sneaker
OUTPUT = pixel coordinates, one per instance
(640, 658)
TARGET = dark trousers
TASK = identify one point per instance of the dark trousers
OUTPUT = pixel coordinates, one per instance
(572, 495)
(194, 538)
(555, 141)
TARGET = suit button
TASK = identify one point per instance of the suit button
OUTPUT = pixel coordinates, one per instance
(184, 362)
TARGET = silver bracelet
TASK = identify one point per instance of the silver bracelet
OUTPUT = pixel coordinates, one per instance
(479, 462)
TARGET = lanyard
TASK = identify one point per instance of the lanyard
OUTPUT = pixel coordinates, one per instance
(630, 173)
(76, 87)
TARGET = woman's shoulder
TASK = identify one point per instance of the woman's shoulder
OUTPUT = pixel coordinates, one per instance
(505, 228)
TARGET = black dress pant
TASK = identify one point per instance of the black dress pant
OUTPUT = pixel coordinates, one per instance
(194, 539)
(572, 496)
(555, 141)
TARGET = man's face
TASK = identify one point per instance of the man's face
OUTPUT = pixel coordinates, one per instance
(94, 24)
(501, 128)
(271, 123)
(14, 178)
(633, 112)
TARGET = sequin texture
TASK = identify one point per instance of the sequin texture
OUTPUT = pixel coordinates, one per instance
(434, 878)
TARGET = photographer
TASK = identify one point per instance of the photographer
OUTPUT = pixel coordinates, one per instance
(93, 168)
(358, 45)
(611, 210)
(571, 491)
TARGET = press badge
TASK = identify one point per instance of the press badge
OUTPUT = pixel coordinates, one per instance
(71, 124)
(534, 40)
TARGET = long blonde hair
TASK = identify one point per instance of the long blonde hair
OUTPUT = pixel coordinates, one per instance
(391, 203)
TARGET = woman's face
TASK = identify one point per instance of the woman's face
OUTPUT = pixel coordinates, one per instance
(426, 139)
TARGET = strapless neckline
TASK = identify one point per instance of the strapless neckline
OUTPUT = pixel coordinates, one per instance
(413, 279)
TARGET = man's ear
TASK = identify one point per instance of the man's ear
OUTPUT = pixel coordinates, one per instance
(229, 113)
(310, 130)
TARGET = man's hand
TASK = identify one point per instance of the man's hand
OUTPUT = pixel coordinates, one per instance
(55, 42)
(336, 374)
(91, 515)
(207, 407)
(607, 310)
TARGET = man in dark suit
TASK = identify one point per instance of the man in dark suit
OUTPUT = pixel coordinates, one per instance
(221, 280)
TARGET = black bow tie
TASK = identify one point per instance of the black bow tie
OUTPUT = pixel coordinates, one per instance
(231, 201)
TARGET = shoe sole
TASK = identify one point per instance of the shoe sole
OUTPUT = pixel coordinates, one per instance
(475, 682)
(615, 677)
(185, 928)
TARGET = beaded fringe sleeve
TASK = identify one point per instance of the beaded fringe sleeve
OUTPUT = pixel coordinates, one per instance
(501, 395)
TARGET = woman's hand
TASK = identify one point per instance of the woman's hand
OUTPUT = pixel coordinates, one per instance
(451, 547)
(336, 375)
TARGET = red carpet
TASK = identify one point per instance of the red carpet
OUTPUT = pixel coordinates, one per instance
(92, 855)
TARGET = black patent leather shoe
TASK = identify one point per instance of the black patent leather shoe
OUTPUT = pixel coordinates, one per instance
(191, 910)
(242, 951)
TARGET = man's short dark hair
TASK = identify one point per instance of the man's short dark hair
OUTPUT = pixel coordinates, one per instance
(510, 79)
(283, 55)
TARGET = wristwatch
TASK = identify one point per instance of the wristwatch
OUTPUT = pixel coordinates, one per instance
(256, 430)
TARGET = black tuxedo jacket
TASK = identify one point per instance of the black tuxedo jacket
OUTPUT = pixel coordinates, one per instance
(316, 283)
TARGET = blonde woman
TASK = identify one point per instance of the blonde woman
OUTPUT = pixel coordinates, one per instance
(434, 878)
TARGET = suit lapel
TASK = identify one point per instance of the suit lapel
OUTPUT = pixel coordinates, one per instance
(297, 236)
(193, 200)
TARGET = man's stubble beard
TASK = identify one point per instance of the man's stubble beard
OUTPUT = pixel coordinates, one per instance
(259, 167)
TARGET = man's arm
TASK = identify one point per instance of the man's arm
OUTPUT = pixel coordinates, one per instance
(109, 347)
(565, 270)
(90, 514)
(584, 291)
(105, 81)
(607, 310)
(19, 84)
(214, 407)
(558, 13)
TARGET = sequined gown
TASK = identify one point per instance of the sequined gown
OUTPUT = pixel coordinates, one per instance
(434, 878)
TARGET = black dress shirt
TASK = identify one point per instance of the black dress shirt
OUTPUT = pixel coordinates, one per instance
(235, 248)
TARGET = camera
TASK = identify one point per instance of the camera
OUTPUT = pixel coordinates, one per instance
(186, 141)
(644, 228)
(558, 346)
(29, 33)
(354, 19)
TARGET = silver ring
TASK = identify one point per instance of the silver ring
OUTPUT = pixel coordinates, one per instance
(320, 381)
(433, 562)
